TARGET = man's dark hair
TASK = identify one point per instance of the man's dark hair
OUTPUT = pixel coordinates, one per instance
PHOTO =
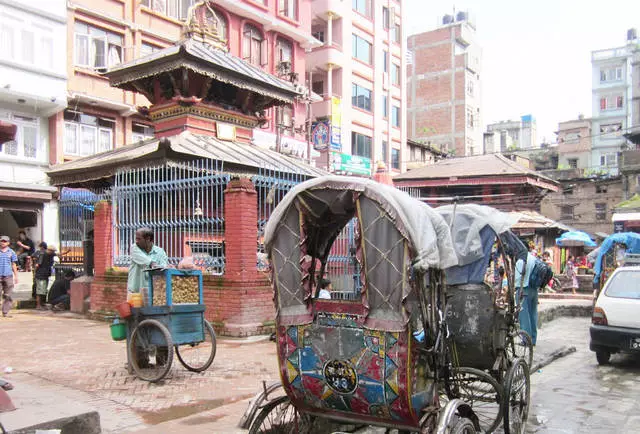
(146, 233)
(43, 245)
(70, 273)
(22, 232)
(501, 270)
(324, 283)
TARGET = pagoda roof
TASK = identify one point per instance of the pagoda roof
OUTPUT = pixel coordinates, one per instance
(207, 60)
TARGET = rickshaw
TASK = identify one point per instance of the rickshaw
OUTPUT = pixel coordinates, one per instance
(491, 355)
(376, 357)
(611, 254)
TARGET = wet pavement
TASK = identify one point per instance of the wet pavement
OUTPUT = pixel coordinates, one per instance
(576, 395)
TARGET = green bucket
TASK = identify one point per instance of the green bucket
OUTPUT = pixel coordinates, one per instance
(118, 331)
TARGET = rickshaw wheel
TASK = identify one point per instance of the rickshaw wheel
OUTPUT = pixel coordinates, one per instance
(517, 393)
(482, 392)
(463, 425)
(280, 417)
(198, 356)
(151, 350)
(521, 346)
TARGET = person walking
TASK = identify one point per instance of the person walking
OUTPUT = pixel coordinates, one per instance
(144, 254)
(8, 274)
(572, 274)
(527, 296)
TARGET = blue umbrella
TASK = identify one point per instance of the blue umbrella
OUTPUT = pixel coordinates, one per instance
(575, 238)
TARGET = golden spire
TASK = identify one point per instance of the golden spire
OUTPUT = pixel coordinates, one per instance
(203, 24)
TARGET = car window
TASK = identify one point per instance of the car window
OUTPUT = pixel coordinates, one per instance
(625, 284)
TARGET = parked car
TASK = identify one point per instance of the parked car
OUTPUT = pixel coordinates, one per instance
(615, 323)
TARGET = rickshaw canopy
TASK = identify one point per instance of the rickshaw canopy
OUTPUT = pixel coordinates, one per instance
(630, 239)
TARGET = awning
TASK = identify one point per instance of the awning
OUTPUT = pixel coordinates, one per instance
(626, 216)
(7, 132)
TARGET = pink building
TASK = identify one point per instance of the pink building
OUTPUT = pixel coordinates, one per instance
(271, 34)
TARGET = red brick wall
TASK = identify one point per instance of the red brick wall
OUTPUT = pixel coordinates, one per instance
(103, 241)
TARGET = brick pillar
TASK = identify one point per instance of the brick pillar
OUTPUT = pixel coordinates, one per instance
(241, 225)
(103, 239)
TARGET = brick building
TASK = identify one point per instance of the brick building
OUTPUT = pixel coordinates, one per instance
(574, 144)
(444, 88)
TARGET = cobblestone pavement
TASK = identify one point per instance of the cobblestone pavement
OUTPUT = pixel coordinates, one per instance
(79, 354)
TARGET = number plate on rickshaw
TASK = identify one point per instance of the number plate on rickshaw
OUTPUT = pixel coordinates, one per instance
(341, 376)
(634, 344)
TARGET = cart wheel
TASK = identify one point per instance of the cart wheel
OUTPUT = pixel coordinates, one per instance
(482, 392)
(522, 347)
(463, 425)
(151, 350)
(280, 417)
(198, 356)
(517, 392)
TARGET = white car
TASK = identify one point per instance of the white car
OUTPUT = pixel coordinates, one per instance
(615, 323)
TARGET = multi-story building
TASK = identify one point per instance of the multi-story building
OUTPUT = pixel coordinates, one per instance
(270, 34)
(444, 87)
(612, 83)
(574, 144)
(520, 134)
(33, 81)
(359, 74)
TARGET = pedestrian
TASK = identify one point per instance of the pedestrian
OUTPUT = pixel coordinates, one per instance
(8, 274)
(572, 274)
(546, 258)
(42, 248)
(325, 289)
(25, 248)
(43, 272)
(59, 298)
(527, 296)
(144, 254)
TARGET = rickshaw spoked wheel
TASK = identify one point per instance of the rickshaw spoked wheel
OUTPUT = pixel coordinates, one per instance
(198, 356)
(520, 345)
(281, 417)
(482, 392)
(517, 391)
(151, 350)
(463, 425)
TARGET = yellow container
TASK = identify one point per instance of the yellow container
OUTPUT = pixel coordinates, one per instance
(136, 300)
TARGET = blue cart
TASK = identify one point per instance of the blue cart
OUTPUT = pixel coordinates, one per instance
(172, 319)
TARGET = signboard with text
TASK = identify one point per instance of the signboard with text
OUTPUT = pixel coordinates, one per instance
(350, 164)
(320, 135)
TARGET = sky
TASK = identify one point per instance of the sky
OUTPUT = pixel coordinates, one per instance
(536, 54)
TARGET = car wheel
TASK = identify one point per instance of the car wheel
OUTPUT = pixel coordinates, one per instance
(603, 357)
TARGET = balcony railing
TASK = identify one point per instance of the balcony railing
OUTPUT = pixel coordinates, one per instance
(609, 53)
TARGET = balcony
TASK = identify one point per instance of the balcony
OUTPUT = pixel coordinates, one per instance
(324, 56)
(610, 53)
(337, 8)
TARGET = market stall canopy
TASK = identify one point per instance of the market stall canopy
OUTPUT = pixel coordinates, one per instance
(574, 239)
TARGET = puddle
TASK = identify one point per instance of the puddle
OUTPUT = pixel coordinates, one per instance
(180, 411)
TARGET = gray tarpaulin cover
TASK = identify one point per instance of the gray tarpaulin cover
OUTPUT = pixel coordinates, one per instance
(426, 230)
(469, 221)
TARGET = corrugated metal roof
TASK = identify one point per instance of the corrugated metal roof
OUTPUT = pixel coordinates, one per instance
(535, 220)
(467, 167)
(241, 156)
(205, 56)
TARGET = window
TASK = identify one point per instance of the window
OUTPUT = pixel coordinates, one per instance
(385, 150)
(362, 6)
(177, 9)
(361, 49)
(609, 160)
(284, 52)
(385, 18)
(254, 47)
(385, 60)
(318, 34)
(46, 52)
(360, 145)
(566, 212)
(141, 132)
(611, 74)
(395, 74)
(470, 122)
(624, 284)
(573, 163)
(395, 116)
(601, 188)
(146, 49)
(28, 47)
(26, 143)
(601, 211)
(286, 117)
(96, 48)
(612, 102)
(7, 41)
(385, 106)
(361, 97)
(288, 8)
(86, 134)
(318, 87)
(395, 158)
(395, 33)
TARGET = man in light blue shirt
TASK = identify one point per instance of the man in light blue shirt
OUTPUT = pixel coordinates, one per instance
(144, 254)
(528, 316)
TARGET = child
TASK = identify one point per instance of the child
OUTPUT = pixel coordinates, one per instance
(43, 272)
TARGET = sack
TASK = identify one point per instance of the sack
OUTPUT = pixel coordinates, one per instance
(541, 274)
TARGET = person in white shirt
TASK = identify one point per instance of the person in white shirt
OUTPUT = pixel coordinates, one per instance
(325, 289)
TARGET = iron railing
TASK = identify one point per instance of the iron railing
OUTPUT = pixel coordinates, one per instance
(343, 269)
(181, 202)
(75, 213)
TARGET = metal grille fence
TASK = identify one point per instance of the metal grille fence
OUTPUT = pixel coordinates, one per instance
(181, 202)
(271, 185)
(342, 266)
(75, 212)
(411, 191)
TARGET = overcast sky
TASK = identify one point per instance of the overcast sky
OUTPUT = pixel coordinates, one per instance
(536, 54)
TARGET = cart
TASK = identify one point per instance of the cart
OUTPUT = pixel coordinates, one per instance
(172, 319)
(376, 356)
